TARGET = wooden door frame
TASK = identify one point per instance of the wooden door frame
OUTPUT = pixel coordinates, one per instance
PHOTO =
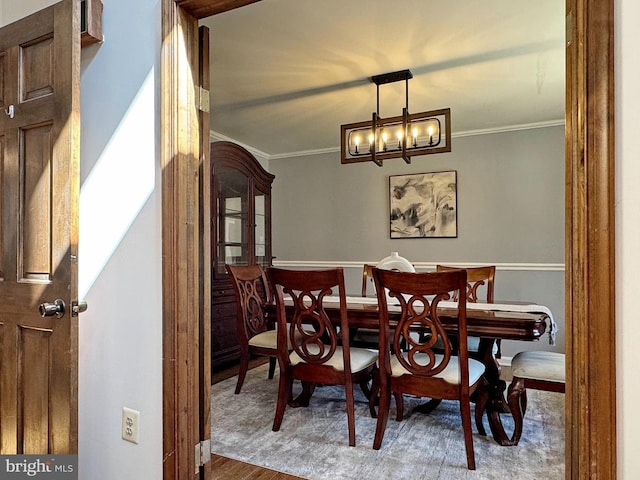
(589, 237)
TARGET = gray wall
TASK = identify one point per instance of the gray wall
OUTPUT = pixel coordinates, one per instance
(510, 214)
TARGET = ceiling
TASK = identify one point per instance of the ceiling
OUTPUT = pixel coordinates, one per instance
(285, 74)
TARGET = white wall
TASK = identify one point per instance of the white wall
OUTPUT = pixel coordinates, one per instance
(627, 65)
(120, 344)
(120, 245)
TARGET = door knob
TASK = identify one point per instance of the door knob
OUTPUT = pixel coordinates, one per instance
(57, 308)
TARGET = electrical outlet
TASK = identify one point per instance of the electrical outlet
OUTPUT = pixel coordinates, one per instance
(130, 424)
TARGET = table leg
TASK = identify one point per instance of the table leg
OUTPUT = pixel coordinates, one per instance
(496, 404)
(302, 400)
(427, 407)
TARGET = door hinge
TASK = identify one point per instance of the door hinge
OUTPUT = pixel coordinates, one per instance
(203, 452)
(203, 99)
(570, 28)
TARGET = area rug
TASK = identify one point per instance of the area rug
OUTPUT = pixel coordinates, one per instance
(313, 442)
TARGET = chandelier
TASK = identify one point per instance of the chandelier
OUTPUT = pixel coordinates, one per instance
(403, 136)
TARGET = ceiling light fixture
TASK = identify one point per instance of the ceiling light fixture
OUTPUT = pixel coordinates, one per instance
(404, 136)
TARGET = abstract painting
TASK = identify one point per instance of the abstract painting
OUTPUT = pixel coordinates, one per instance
(424, 205)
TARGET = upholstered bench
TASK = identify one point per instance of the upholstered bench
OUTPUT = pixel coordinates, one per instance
(536, 370)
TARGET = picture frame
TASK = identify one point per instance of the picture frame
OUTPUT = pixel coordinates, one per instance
(423, 205)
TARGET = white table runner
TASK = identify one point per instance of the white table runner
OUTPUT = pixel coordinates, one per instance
(496, 307)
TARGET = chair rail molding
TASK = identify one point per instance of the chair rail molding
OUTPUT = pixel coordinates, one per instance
(523, 267)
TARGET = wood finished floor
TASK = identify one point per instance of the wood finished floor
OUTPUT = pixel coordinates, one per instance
(227, 469)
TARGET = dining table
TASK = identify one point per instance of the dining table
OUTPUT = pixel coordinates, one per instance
(488, 321)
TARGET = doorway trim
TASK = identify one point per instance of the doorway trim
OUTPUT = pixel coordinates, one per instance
(589, 234)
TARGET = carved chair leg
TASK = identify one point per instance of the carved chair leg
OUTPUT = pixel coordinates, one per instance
(383, 415)
(284, 393)
(465, 412)
(399, 406)
(272, 367)
(242, 372)
(351, 418)
(517, 399)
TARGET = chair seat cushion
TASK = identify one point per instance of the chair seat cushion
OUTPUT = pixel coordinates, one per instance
(538, 365)
(451, 373)
(361, 358)
(268, 339)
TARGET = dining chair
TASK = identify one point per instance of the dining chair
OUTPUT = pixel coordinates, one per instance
(367, 277)
(538, 370)
(365, 337)
(480, 285)
(476, 278)
(479, 280)
(256, 333)
(319, 353)
(419, 370)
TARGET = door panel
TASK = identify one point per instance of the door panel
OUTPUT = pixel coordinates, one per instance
(34, 216)
(34, 355)
(36, 69)
(39, 179)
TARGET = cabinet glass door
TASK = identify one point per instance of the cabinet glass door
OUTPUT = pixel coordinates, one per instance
(232, 218)
(260, 230)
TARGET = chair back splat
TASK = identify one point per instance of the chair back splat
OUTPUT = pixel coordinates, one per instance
(256, 333)
(478, 278)
(319, 350)
(412, 365)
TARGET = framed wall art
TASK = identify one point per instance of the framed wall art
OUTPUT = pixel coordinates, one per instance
(423, 205)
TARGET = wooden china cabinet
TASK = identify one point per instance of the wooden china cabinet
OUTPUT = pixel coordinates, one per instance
(241, 235)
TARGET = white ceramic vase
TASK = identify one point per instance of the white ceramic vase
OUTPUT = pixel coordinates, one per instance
(396, 262)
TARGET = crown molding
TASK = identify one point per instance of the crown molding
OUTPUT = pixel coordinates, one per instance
(509, 128)
(218, 137)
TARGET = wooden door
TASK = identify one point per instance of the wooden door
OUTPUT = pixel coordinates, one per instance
(39, 178)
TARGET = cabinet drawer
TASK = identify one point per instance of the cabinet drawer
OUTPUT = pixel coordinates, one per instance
(222, 291)
(223, 295)
(219, 310)
(226, 326)
(224, 357)
(220, 343)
